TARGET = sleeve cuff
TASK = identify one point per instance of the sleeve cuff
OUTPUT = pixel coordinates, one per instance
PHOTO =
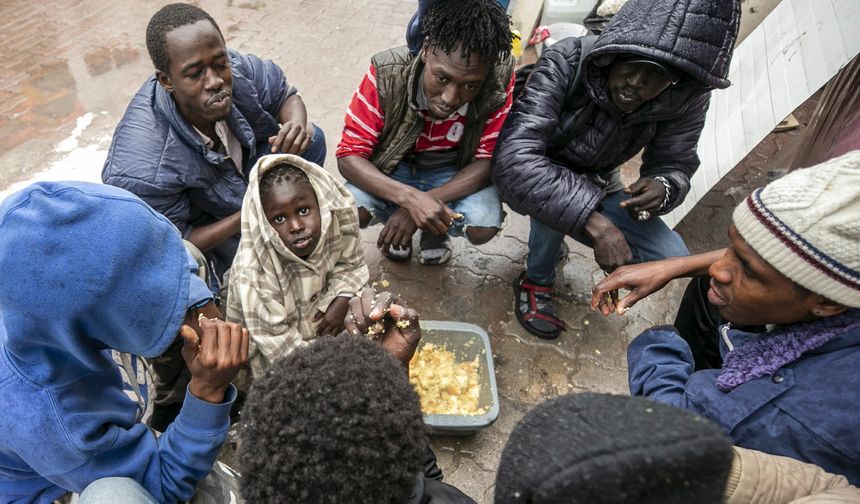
(199, 415)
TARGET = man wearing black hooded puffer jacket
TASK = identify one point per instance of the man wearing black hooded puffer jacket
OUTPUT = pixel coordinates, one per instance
(645, 83)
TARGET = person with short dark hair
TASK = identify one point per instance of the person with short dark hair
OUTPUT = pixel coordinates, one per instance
(590, 105)
(421, 128)
(337, 420)
(196, 127)
(792, 269)
(188, 141)
(299, 261)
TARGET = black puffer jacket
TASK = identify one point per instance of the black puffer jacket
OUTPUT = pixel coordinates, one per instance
(539, 173)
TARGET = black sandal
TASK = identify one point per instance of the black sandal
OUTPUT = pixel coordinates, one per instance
(534, 309)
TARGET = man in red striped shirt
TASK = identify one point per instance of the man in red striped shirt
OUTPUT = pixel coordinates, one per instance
(421, 129)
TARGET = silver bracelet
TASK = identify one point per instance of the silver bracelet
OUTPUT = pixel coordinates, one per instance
(668, 186)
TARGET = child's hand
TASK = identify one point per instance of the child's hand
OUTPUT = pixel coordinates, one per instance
(332, 319)
(384, 318)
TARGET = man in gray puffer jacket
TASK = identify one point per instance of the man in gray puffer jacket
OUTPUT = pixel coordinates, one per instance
(644, 83)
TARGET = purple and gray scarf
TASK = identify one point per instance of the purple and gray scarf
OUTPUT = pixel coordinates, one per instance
(765, 354)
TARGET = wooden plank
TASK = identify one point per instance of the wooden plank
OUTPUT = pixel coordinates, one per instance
(800, 46)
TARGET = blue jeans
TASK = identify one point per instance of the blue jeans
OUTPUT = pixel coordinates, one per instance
(649, 240)
(480, 209)
(111, 490)
(316, 151)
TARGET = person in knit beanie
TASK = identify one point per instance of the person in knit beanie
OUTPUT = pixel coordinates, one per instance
(779, 363)
(600, 448)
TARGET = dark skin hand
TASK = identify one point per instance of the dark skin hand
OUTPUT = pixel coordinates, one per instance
(211, 235)
(331, 322)
(427, 210)
(214, 352)
(644, 279)
(646, 194)
(398, 231)
(382, 312)
(610, 247)
(641, 279)
(294, 137)
(430, 213)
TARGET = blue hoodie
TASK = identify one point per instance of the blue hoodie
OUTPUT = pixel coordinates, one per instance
(86, 269)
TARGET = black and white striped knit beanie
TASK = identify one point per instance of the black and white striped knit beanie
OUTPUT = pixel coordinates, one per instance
(807, 226)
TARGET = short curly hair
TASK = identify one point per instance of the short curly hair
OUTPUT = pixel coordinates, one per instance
(168, 18)
(335, 421)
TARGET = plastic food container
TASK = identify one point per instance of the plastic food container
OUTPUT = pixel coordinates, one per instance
(466, 341)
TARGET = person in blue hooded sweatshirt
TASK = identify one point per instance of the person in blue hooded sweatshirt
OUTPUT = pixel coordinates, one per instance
(93, 277)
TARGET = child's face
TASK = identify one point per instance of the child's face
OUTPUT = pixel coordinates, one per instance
(293, 211)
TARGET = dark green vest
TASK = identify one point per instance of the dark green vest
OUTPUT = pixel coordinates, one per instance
(397, 72)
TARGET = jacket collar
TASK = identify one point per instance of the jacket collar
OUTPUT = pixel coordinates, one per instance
(166, 106)
(736, 337)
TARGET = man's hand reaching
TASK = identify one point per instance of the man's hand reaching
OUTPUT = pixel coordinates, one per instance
(641, 280)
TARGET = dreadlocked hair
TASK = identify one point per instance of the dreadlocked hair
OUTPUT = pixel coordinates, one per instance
(479, 27)
(283, 174)
(164, 21)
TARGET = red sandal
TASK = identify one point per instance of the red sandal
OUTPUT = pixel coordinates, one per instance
(534, 309)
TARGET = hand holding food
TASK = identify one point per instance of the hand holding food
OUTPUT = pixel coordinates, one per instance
(641, 280)
(382, 317)
(430, 213)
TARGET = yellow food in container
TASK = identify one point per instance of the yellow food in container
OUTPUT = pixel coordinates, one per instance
(444, 385)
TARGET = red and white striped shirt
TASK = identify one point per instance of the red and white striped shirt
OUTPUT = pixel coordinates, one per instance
(364, 121)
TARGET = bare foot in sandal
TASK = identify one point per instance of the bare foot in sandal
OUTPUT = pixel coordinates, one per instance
(535, 310)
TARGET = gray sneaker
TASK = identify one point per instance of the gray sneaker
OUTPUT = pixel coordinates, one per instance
(434, 249)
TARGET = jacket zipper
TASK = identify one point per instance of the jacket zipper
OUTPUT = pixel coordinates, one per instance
(724, 332)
